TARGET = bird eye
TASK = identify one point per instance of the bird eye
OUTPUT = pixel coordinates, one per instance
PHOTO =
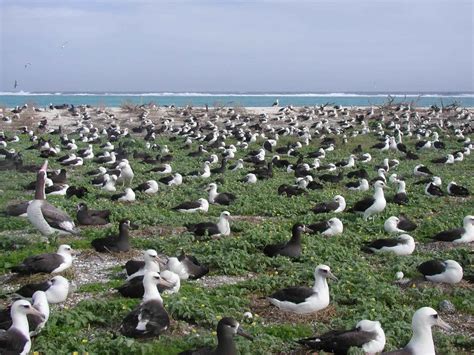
(358, 328)
(26, 306)
(435, 316)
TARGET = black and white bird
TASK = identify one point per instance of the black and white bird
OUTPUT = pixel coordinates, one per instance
(367, 335)
(458, 235)
(401, 197)
(421, 170)
(404, 244)
(186, 266)
(448, 271)
(128, 195)
(304, 300)
(226, 329)
(223, 198)
(338, 204)
(35, 322)
(457, 190)
(221, 228)
(329, 228)
(151, 262)
(448, 159)
(172, 180)
(149, 319)
(292, 248)
(149, 187)
(55, 289)
(201, 205)
(16, 340)
(372, 205)
(44, 216)
(164, 169)
(399, 225)
(361, 185)
(422, 340)
(249, 178)
(47, 263)
(433, 188)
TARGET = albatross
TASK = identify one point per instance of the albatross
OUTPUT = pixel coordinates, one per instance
(48, 263)
(55, 289)
(149, 318)
(221, 228)
(448, 271)
(372, 205)
(367, 335)
(304, 300)
(458, 235)
(16, 340)
(421, 342)
(44, 216)
(226, 329)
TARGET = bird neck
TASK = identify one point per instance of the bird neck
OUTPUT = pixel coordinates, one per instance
(225, 344)
(151, 292)
(223, 225)
(320, 283)
(401, 188)
(20, 322)
(39, 189)
(296, 236)
(378, 194)
(213, 194)
(123, 233)
(422, 341)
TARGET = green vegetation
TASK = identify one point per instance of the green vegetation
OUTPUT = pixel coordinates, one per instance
(365, 288)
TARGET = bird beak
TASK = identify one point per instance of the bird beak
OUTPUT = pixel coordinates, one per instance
(133, 226)
(162, 260)
(442, 324)
(307, 229)
(243, 333)
(165, 283)
(332, 277)
(35, 312)
(44, 167)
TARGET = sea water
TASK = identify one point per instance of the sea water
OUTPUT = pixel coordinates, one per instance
(12, 99)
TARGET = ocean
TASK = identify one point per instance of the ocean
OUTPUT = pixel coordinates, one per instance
(12, 99)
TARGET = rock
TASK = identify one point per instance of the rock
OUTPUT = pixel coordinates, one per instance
(446, 306)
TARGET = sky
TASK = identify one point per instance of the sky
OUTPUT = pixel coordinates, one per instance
(237, 46)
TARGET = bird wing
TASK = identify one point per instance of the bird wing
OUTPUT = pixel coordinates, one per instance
(132, 266)
(449, 235)
(55, 217)
(405, 224)
(28, 290)
(325, 207)
(189, 205)
(338, 341)
(42, 262)
(319, 227)
(432, 267)
(380, 243)
(293, 294)
(362, 205)
(12, 341)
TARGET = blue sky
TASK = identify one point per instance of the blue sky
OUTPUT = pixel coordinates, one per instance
(224, 45)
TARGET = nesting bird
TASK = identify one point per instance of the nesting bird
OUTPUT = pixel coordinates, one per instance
(304, 300)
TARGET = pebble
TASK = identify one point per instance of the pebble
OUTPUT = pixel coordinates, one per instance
(447, 306)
